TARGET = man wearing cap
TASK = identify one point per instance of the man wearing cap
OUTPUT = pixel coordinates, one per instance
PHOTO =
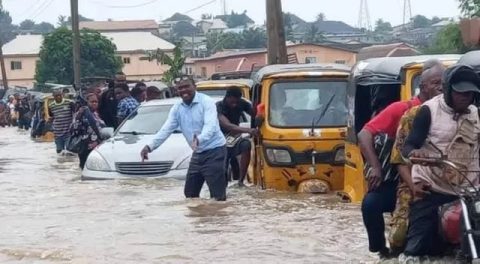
(450, 122)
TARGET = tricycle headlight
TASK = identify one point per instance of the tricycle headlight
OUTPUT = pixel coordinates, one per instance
(96, 162)
(340, 155)
(278, 156)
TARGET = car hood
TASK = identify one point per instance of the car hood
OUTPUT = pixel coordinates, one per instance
(127, 148)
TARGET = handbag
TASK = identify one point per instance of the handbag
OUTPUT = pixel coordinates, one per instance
(232, 140)
(75, 144)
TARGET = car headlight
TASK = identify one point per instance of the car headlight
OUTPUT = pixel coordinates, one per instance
(278, 155)
(184, 164)
(96, 162)
(340, 155)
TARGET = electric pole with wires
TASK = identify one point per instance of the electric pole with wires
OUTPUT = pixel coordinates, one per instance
(277, 49)
(76, 44)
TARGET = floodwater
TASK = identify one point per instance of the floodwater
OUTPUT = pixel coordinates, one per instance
(47, 215)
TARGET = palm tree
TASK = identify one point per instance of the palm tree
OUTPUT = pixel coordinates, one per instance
(176, 62)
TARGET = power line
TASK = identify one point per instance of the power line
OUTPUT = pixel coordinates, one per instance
(42, 10)
(125, 6)
(200, 6)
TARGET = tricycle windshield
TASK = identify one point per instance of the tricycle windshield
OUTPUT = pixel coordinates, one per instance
(308, 103)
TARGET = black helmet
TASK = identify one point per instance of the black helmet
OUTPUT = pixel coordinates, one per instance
(460, 78)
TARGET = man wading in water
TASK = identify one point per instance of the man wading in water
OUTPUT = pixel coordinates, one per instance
(197, 118)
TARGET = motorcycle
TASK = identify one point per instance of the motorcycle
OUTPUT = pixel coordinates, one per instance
(469, 198)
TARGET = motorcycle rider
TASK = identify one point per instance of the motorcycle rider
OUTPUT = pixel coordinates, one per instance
(451, 123)
(381, 196)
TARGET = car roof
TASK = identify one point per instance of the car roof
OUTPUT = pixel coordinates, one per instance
(172, 101)
(244, 82)
(393, 65)
(291, 68)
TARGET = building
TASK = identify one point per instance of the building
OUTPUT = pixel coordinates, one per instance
(244, 60)
(388, 50)
(22, 54)
(122, 26)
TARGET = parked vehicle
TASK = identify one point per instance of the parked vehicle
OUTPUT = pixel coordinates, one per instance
(219, 87)
(301, 116)
(374, 84)
(119, 156)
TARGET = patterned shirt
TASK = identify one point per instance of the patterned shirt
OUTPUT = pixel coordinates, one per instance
(200, 118)
(406, 124)
(126, 106)
(62, 114)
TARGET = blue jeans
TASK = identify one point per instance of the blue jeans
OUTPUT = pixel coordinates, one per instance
(374, 205)
(61, 143)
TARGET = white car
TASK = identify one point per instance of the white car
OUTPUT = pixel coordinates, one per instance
(119, 156)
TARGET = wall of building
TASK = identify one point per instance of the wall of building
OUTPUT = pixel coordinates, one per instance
(25, 75)
(135, 70)
(320, 54)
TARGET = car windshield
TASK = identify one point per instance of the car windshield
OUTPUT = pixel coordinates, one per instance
(301, 104)
(416, 84)
(146, 120)
(215, 93)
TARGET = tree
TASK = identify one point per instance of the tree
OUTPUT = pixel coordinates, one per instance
(288, 24)
(254, 38)
(420, 21)
(176, 62)
(313, 35)
(321, 17)
(56, 63)
(435, 20)
(206, 16)
(469, 8)
(448, 40)
(237, 19)
(64, 21)
(27, 24)
(383, 26)
(6, 34)
(43, 28)
(248, 39)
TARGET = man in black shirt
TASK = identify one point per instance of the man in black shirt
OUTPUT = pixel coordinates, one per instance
(108, 103)
(230, 111)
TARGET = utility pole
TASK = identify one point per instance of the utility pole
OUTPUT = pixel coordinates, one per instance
(4, 70)
(277, 50)
(76, 43)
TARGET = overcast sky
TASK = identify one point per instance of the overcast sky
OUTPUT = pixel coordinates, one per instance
(345, 10)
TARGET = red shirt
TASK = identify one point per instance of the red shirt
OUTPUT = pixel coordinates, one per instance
(388, 120)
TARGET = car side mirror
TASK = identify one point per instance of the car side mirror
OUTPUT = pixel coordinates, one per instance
(259, 121)
(106, 132)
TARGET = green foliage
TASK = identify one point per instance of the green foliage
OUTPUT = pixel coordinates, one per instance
(97, 56)
(469, 8)
(176, 62)
(248, 39)
(6, 27)
(383, 26)
(236, 19)
(313, 35)
(448, 40)
(420, 21)
(64, 21)
(288, 24)
(321, 17)
(27, 24)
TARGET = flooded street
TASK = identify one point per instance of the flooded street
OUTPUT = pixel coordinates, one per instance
(49, 216)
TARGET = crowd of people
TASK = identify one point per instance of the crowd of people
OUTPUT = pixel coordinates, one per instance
(442, 117)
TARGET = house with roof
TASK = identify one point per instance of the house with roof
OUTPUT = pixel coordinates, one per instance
(246, 59)
(22, 54)
(121, 26)
(212, 25)
(387, 50)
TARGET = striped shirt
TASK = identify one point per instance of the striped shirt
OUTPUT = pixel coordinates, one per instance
(62, 114)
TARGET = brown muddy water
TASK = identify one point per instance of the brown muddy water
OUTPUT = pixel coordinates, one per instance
(47, 215)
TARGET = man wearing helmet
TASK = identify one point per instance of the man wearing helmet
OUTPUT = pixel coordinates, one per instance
(449, 122)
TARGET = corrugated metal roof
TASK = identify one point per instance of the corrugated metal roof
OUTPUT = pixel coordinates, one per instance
(119, 25)
(23, 45)
(125, 42)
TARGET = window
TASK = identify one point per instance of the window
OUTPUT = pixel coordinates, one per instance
(126, 60)
(204, 72)
(310, 60)
(15, 65)
(340, 62)
(303, 104)
(138, 121)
